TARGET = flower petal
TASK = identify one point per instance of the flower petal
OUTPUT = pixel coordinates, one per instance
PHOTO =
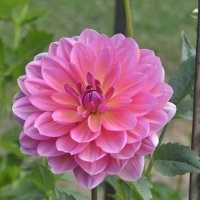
(48, 127)
(117, 39)
(66, 116)
(23, 108)
(130, 84)
(68, 145)
(128, 151)
(87, 36)
(95, 167)
(53, 49)
(91, 153)
(115, 165)
(86, 180)
(118, 120)
(146, 52)
(111, 141)
(29, 151)
(139, 132)
(82, 132)
(48, 148)
(133, 169)
(102, 63)
(18, 96)
(170, 110)
(142, 103)
(35, 85)
(148, 145)
(119, 101)
(39, 56)
(43, 101)
(63, 163)
(22, 86)
(33, 69)
(30, 130)
(94, 122)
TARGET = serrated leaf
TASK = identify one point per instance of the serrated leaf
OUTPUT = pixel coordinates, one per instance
(174, 159)
(111, 179)
(43, 177)
(141, 188)
(182, 81)
(187, 49)
(75, 194)
(185, 109)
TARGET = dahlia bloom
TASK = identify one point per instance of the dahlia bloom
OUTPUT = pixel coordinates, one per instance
(93, 104)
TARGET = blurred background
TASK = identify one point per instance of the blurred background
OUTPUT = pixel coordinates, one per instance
(28, 27)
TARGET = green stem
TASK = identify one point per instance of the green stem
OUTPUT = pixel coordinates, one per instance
(94, 193)
(148, 172)
(121, 187)
(16, 35)
(44, 161)
(128, 18)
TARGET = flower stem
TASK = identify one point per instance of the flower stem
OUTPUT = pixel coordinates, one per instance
(148, 172)
(128, 18)
(94, 193)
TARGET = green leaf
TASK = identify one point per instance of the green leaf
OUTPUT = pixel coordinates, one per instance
(182, 81)
(65, 196)
(34, 43)
(141, 189)
(174, 159)
(187, 49)
(64, 177)
(43, 177)
(161, 191)
(6, 8)
(185, 109)
(56, 194)
(111, 179)
(128, 190)
(2, 54)
(75, 194)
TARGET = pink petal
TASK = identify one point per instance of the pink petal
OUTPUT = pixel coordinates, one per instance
(128, 57)
(118, 120)
(53, 49)
(111, 141)
(157, 120)
(102, 63)
(95, 167)
(23, 108)
(33, 70)
(63, 163)
(65, 100)
(40, 56)
(148, 145)
(18, 96)
(43, 101)
(86, 180)
(130, 84)
(83, 57)
(133, 169)
(87, 36)
(146, 52)
(22, 86)
(102, 42)
(91, 153)
(111, 77)
(94, 122)
(35, 85)
(117, 39)
(142, 103)
(57, 78)
(30, 130)
(170, 110)
(139, 132)
(75, 38)
(82, 132)
(102, 108)
(162, 78)
(66, 144)
(119, 101)
(82, 112)
(115, 165)
(163, 92)
(64, 48)
(29, 151)
(128, 151)
(48, 148)
(28, 142)
(66, 116)
(19, 120)
(48, 127)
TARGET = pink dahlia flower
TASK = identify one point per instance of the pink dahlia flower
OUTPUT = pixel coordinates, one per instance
(93, 104)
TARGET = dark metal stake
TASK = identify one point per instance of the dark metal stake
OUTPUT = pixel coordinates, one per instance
(194, 191)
